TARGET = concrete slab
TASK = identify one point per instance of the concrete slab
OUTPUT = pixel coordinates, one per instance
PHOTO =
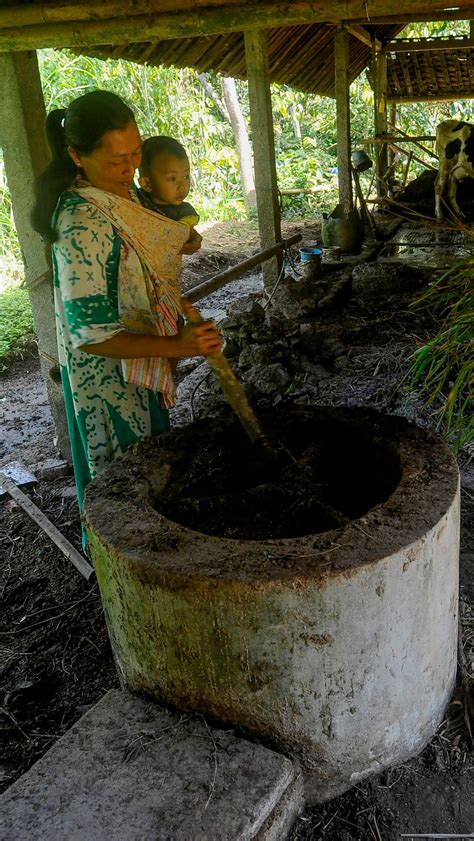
(130, 770)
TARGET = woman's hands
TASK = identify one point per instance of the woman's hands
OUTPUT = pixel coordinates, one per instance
(196, 338)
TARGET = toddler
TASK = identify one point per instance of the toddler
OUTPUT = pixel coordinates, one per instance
(164, 184)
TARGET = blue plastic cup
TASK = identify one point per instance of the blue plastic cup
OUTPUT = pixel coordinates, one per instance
(310, 258)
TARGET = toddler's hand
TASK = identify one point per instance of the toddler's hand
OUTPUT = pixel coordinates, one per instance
(193, 244)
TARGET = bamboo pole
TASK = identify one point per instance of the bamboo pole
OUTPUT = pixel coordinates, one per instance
(188, 21)
(231, 388)
(228, 275)
(414, 157)
(406, 137)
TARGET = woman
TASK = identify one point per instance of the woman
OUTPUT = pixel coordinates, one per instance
(116, 297)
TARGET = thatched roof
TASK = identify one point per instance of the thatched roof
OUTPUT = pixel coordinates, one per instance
(300, 56)
(431, 74)
(208, 35)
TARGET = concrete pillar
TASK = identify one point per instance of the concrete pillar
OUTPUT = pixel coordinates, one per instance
(341, 61)
(263, 148)
(26, 154)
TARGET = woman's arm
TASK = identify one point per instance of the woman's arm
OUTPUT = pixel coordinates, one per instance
(190, 340)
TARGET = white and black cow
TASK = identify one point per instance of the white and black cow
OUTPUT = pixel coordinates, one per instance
(455, 147)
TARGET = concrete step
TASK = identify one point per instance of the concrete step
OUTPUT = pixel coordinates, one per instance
(130, 770)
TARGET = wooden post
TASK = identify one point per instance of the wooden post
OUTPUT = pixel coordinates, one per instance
(341, 59)
(261, 120)
(380, 106)
(26, 154)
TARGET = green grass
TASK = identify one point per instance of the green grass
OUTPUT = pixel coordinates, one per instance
(444, 366)
(16, 323)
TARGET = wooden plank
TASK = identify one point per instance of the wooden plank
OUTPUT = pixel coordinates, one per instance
(42, 521)
(188, 21)
(342, 82)
(261, 118)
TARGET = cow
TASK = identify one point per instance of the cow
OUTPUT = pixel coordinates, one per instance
(455, 147)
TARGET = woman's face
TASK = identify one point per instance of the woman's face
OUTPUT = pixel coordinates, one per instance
(112, 165)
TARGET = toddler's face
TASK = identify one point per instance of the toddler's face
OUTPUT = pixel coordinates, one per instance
(168, 180)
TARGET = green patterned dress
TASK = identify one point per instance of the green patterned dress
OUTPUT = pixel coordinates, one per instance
(105, 414)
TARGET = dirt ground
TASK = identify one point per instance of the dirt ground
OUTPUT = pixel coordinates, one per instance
(55, 656)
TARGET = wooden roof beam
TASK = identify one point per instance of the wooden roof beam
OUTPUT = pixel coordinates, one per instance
(362, 35)
(446, 97)
(331, 11)
(453, 13)
(429, 44)
(195, 21)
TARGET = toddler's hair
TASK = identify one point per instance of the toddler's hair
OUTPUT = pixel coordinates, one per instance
(156, 146)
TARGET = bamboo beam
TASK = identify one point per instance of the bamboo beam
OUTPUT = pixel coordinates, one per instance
(188, 21)
(343, 118)
(429, 44)
(263, 142)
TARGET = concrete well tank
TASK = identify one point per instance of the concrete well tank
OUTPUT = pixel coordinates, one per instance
(332, 636)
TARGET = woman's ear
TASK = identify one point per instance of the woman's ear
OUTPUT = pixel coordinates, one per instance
(145, 183)
(75, 156)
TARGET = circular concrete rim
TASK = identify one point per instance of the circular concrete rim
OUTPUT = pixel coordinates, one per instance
(117, 511)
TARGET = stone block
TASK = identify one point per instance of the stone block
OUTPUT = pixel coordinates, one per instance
(131, 770)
